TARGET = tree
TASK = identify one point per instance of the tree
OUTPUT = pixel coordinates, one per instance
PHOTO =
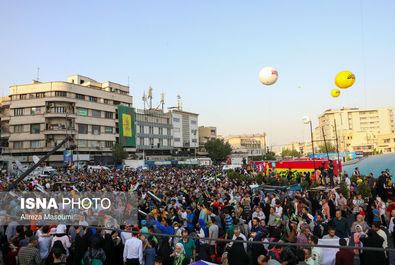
(330, 148)
(217, 149)
(118, 153)
(293, 153)
(269, 156)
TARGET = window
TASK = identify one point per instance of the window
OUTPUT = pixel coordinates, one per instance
(18, 128)
(23, 96)
(96, 129)
(96, 113)
(193, 122)
(108, 115)
(95, 144)
(141, 140)
(177, 139)
(177, 130)
(40, 95)
(59, 109)
(194, 132)
(80, 96)
(194, 140)
(160, 131)
(35, 111)
(151, 130)
(141, 128)
(82, 111)
(82, 128)
(35, 144)
(82, 143)
(151, 141)
(116, 102)
(18, 112)
(176, 120)
(18, 144)
(34, 128)
(108, 144)
(92, 99)
(108, 129)
(60, 94)
(386, 141)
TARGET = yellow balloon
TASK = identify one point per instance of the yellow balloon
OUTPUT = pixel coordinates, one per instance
(344, 79)
(335, 93)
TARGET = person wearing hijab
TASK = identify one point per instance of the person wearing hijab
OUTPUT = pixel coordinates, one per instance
(179, 255)
(204, 248)
(357, 235)
(373, 240)
(62, 237)
(237, 254)
(361, 222)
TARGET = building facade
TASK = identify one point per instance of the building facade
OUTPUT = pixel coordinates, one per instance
(206, 134)
(386, 143)
(248, 145)
(185, 132)
(357, 129)
(154, 132)
(41, 115)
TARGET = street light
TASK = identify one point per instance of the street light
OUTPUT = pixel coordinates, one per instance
(307, 120)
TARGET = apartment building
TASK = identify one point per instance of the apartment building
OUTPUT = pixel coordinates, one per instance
(154, 132)
(357, 129)
(185, 131)
(386, 143)
(42, 114)
(206, 134)
(249, 145)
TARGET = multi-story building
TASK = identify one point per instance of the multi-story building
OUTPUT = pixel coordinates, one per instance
(386, 143)
(248, 145)
(154, 132)
(42, 114)
(185, 131)
(206, 134)
(357, 129)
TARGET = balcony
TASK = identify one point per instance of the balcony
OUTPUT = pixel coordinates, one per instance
(59, 130)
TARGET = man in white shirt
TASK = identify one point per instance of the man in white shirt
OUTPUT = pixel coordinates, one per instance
(133, 250)
(126, 235)
(236, 234)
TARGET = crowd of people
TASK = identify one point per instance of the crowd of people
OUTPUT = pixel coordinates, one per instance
(184, 213)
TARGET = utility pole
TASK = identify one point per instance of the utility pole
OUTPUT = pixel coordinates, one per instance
(326, 147)
(337, 147)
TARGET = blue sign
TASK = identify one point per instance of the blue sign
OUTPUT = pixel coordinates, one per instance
(68, 156)
(333, 156)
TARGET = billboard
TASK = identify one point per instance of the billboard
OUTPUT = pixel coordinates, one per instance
(127, 131)
(333, 156)
(68, 156)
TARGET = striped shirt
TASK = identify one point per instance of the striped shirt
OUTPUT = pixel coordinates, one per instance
(29, 256)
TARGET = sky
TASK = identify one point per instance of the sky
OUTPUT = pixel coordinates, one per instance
(210, 52)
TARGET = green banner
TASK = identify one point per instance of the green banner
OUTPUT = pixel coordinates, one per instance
(127, 131)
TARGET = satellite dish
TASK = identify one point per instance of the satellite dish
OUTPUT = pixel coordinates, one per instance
(35, 159)
(19, 165)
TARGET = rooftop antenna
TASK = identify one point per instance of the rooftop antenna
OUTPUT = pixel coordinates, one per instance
(179, 102)
(38, 74)
(144, 98)
(149, 95)
(162, 101)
